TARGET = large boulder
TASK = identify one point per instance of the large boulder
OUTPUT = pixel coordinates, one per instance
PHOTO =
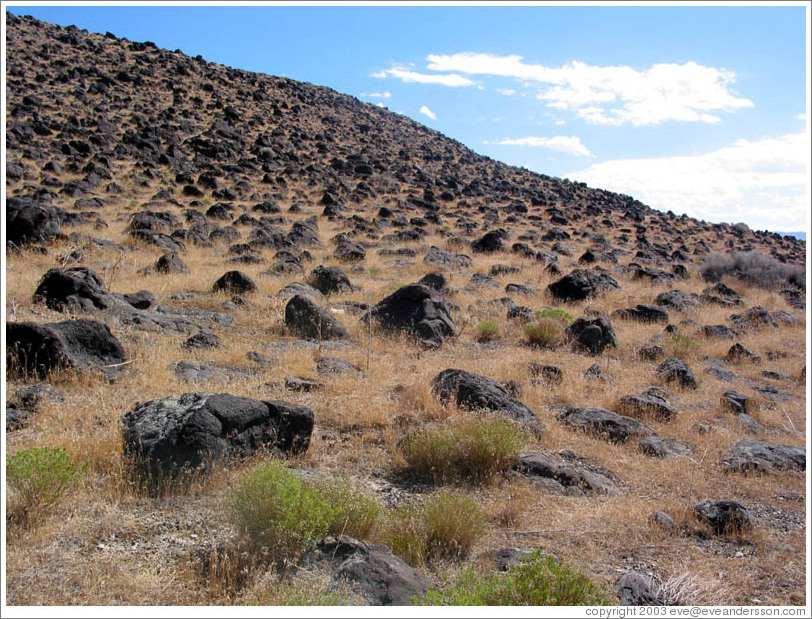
(77, 289)
(642, 313)
(581, 284)
(574, 478)
(604, 423)
(759, 457)
(678, 300)
(490, 242)
(418, 310)
(591, 335)
(234, 282)
(169, 436)
(30, 222)
(307, 320)
(383, 578)
(474, 392)
(37, 349)
(649, 404)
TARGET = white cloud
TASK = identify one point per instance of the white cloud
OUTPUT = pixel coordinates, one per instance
(427, 112)
(377, 95)
(571, 145)
(762, 183)
(614, 95)
(406, 75)
(506, 91)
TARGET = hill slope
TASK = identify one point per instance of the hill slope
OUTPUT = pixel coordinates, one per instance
(152, 174)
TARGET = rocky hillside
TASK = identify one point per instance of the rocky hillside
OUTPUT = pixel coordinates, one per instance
(212, 271)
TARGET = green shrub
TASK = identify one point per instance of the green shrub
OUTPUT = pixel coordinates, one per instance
(487, 330)
(544, 333)
(538, 581)
(353, 513)
(471, 448)
(445, 527)
(279, 512)
(558, 314)
(453, 524)
(40, 477)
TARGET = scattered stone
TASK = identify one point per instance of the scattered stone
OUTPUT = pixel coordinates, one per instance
(675, 371)
(234, 282)
(637, 589)
(446, 260)
(678, 300)
(664, 521)
(330, 280)
(434, 280)
(736, 402)
(291, 290)
(418, 310)
(719, 332)
(307, 320)
(657, 447)
(575, 479)
(302, 385)
(37, 349)
(546, 374)
(172, 435)
(32, 397)
(591, 335)
(203, 339)
(604, 423)
(596, 372)
(724, 517)
(581, 284)
(335, 366)
(642, 313)
(749, 455)
(383, 578)
(645, 405)
(651, 352)
(77, 289)
(739, 352)
(475, 392)
(171, 264)
(17, 418)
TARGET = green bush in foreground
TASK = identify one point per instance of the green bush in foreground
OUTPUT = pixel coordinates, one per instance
(558, 314)
(487, 330)
(546, 332)
(279, 512)
(538, 581)
(40, 477)
(472, 448)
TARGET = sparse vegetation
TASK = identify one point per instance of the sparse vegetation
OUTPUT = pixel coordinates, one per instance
(537, 581)
(487, 330)
(546, 332)
(473, 448)
(753, 268)
(39, 478)
(559, 314)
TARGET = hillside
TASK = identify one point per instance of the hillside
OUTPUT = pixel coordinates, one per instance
(625, 369)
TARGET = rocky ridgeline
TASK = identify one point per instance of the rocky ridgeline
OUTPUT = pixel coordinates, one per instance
(175, 152)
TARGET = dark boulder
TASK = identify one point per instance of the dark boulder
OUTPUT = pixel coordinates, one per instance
(642, 313)
(234, 282)
(591, 335)
(330, 280)
(30, 222)
(678, 300)
(490, 242)
(446, 260)
(638, 589)
(383, 578)
(739, 352)
(649, 404)
(759, 457)
(581, 284)
(575, 478)
(674, 370)
(604, 423)
(546, 374)
(475, 392)
(291, 290)
(719, 332)
(434, 280)
(735, 402)
(418, 310)
(37, 349)
(651, 352)
(171, 435)
(307, 320)
(348, 251)
(170, 264)
(724, 517)
(76, 289)
(143, 299)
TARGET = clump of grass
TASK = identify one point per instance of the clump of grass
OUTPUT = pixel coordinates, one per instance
(353, 513)
(558, 314)
(546, 332)
(39, 478)
(445, 527)
(538, 581)
(487, 330)
(279, 513)
(473, 448)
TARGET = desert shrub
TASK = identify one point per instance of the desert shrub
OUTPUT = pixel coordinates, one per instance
(453, 524)
(471, 448)
(544, 333)
(39, 477)
(279, 513)
(487, 330)
(558, 314)
(753, 268)
(353, 513)
(307, 592)
(538, 581)
(445, 527)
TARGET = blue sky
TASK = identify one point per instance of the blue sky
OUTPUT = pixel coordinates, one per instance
(696, 109)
